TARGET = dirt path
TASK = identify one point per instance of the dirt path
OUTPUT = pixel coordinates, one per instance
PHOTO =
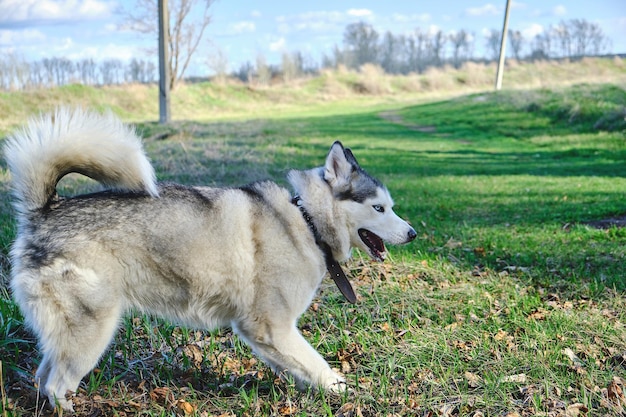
(393, 117)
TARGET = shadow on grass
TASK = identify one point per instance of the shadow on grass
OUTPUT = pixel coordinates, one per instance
(480, 168)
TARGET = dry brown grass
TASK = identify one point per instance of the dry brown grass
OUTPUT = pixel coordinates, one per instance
(228, 98)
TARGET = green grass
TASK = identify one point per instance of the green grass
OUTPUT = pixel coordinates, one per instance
(508, 302)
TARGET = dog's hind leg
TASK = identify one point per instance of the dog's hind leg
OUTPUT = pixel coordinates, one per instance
(75, 316)
(285, 350)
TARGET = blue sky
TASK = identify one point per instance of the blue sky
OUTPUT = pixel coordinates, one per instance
(244, 29)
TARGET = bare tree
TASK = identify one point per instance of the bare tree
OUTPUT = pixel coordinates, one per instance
(263, 71)
(361, 43)
(339, 57)
(20, 72)
(542, 45)
(461, 47)
(422, 40)
(87, 70)
(37, 77)
(516, 39)
(390, 53)
(185, 31)
(327, 61)
(437, 47)
(217, 61)
(292, 65)
(587, 37)
(563, 36)
(245, 72)
(492, 43)
(599, 42)
(110, 71)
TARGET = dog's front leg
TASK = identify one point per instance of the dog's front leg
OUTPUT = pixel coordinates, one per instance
(286, 351)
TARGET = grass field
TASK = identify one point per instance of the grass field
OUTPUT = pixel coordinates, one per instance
(509, 303)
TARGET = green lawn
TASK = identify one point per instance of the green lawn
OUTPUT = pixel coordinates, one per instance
(509, 303)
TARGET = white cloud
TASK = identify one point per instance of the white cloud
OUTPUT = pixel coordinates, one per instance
(332, 16)
(317, 21)
(98, 53)
(37, 12)
(66, 43)
(433, 29)
(95, 9)
(559, 10)
(403, 18)
(111, 27)
(284, 28)
(316, 26)
(15, 37)
(359, 12)
(242, 27)
(532, 30)
(487, 9)
(256, 14)
(278, 45)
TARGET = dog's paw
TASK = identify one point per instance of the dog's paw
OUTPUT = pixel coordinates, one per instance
(60, 405)
(63, 406)
(338, 387)
(336, 383)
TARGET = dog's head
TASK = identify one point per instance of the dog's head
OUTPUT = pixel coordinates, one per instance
(368, 204)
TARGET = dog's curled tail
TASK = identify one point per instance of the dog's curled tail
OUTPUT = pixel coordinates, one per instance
(97, 145)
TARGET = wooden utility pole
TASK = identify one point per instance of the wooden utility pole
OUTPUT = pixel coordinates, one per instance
(164, 68)
(505, 26)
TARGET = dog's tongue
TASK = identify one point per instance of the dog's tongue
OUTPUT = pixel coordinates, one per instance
(374, 243)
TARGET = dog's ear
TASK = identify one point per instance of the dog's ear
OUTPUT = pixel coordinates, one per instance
(350, 158)
(339, 166)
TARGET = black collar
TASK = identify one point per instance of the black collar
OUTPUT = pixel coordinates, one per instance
(333, 267)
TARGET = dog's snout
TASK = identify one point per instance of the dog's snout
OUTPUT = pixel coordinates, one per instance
(411, 235)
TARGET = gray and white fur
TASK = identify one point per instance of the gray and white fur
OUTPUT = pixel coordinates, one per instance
(202, 257)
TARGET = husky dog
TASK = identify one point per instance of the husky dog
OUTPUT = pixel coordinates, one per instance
(250, 258)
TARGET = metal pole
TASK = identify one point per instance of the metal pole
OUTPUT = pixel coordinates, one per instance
(500, 70)
(164, 68)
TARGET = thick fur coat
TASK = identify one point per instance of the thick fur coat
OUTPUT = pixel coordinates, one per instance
(202, 257)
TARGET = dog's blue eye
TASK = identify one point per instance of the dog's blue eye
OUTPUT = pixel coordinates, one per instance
(379, 208)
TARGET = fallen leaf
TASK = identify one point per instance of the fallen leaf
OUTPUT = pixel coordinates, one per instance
(573, 410)
(193, 353)
(349, 410)
(537, 315)
(615, 392)
(288, 410)
(185, 407)
(518, 378)
(161, 395)
(385, 327)
(473, 380)
(447, 410)
(501, 335)
(577, 364)
(453, 244)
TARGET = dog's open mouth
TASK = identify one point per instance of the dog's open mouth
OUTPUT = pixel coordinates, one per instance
(374, 243)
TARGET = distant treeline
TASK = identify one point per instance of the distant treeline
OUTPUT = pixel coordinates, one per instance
(17, 73)
(362, 44)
